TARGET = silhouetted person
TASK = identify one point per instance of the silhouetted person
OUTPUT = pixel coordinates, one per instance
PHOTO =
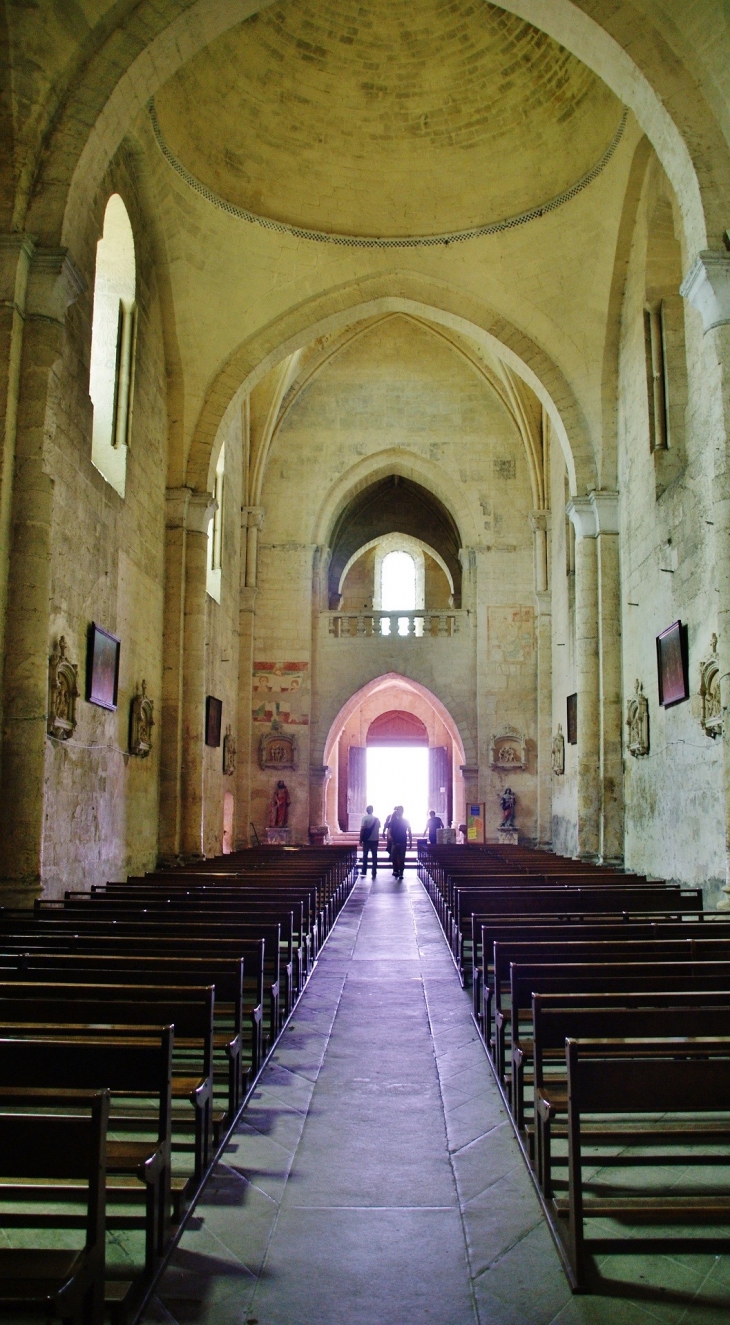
(433, 823)
(369, 834)
(400, 837)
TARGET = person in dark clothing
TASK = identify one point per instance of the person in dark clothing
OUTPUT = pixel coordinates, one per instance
(433, 824)
(400, 837)
(369, 834)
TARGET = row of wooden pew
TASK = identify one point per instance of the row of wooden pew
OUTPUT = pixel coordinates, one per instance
(134, 1020)
(604, 1002)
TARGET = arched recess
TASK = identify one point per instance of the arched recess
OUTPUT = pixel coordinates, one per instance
(423, 298)
(465, 746)
(665, 95)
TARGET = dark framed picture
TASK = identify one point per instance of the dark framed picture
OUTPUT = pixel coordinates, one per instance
(213, 719)
(672, 665)
(572, 719)
(102, 668)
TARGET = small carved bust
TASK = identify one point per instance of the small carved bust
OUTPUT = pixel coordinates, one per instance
(637, 721)
(557, 757)
(141, 722)
(229, 753)
(62, 693)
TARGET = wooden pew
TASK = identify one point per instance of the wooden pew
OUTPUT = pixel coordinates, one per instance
(636, 1079)
(83, 1013)
(128, 1068)
(610, 1017)
(65, 1284)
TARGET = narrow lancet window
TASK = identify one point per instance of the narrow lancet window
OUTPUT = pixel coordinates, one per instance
(113, 337)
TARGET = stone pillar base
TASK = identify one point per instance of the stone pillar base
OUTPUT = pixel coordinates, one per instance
(278, 837)
(508, 837)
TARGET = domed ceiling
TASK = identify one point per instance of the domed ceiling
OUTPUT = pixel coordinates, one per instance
(397, 117)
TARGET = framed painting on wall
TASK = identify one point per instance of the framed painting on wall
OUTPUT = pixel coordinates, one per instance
(102, 668)
(672, 668)
(572, 719)
(213, 720)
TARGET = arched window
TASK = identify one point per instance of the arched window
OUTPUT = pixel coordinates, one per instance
(215, 532)
(113, 335)
(398, 582)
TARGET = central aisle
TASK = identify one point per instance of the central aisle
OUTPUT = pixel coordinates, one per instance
(374, 1178)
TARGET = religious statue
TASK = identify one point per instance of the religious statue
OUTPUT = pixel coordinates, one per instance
(62, 693)
(637, 721)
(710, 699)
(229, 753)
(279, 808)
(558, 751)
(508, 802)
(141, 723)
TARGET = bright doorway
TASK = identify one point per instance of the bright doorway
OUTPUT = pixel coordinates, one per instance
(398, 775)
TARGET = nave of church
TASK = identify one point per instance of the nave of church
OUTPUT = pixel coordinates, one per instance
(364, 457)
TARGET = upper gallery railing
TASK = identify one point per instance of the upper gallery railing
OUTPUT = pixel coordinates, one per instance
(421, 624)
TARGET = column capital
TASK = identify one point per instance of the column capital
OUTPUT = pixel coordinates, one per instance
(16, 251)
(54, 282)
(319, 772)
(248, 598)
(252, 517)
(469, 772)
(189, 510)
(543, 602)
(540, 521)
(595, 514)
(707, 288)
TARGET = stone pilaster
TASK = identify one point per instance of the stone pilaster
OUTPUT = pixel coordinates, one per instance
(707, 288)
(247, 755)
(581, 511)
(544, 718)
(470, 774)
(319, 776)
(49, 282)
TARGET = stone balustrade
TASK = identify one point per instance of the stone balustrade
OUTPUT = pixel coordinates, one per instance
(421, 624)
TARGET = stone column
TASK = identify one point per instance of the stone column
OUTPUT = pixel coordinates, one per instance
(251, 521)
(581, 511)
(52, 283)
(200, 508)
(470, 774)
(610, 710)
(544, 719)
(176, 500)
(707, 288)
(318, 778)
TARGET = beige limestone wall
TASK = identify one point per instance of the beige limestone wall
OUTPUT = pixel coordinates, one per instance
(674, 806)
(101, 804)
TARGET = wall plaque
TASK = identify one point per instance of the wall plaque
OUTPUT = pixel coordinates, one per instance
(277, 749)
(102, 670)
(62, 693)
(213, 720)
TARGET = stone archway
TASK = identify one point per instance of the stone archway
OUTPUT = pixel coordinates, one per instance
(419, 708)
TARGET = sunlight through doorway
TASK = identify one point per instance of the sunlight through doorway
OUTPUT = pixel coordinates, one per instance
(398, 775)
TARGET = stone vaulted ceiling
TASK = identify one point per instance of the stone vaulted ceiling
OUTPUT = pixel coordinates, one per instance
(386, 117)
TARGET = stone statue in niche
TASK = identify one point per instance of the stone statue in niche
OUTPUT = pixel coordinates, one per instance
(508, 802)
(279, 807)
(557, 758)
(637, 721)
(141, 722)
(62, 693)
(229, 753)
(711, 715)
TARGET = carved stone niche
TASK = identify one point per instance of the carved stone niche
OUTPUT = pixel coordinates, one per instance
(63, 692)
(277, 749)
(229, 753)
(141, 722)
(508, 750)
(711, 712)
(557, 757)
(637, 722)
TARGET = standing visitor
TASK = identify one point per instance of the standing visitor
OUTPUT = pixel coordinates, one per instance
(369, 834)
(400, 836)
(433, 823)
